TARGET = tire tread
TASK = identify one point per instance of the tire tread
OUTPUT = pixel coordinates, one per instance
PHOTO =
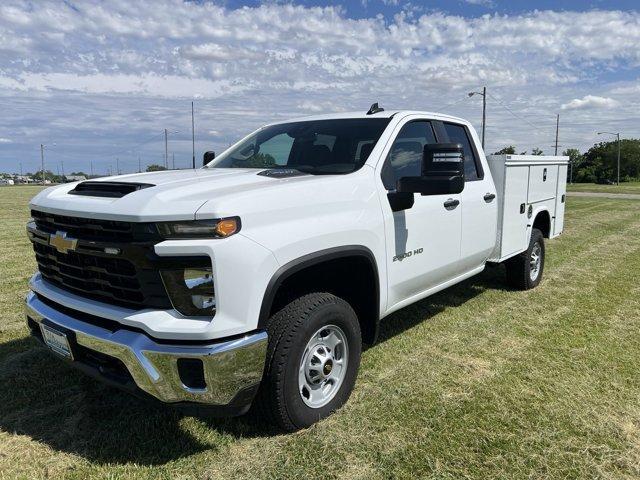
(281, 329)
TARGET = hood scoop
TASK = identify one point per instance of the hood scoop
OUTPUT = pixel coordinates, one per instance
(108, 189)
(281, 173)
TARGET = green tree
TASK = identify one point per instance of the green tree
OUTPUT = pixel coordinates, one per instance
(259, 160)
(537, 151)
(48, 175)
(575, 158)
(155, 168)
(600, 161)
(510, 150)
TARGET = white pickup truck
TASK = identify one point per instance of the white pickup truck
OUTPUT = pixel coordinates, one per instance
(256, 279)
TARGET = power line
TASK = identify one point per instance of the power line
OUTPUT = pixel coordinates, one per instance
(516, 115)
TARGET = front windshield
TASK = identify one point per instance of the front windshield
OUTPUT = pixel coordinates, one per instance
(318, 147)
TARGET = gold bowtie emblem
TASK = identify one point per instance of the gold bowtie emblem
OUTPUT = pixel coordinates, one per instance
(62, 243)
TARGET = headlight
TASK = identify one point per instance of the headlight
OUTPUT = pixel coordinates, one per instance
(219, 228)
(191, 290)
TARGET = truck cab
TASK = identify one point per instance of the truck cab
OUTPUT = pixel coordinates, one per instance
(255, 280)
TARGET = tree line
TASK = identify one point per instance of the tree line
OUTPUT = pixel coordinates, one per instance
(599, 163)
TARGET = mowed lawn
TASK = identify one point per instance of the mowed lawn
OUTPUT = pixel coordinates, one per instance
(478, 381)
(625, 187)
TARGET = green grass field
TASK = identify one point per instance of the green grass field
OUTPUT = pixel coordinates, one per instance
(625, 187)
(477, 382)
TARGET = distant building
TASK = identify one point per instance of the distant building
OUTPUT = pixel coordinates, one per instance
(23, 179)
(75, 178)
(6, 181)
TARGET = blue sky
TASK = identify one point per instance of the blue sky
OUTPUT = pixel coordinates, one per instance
(97, 82)
(368, 8)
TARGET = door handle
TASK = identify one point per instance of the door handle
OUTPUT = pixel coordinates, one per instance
(488, 197)
(451, 204)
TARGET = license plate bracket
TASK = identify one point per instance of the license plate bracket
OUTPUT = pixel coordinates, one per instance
(57, 341)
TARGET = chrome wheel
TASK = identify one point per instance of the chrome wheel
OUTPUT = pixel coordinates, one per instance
(535, 261)
(323, 366)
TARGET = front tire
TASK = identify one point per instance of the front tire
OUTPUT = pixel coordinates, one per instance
(312, 361)
(524, 271)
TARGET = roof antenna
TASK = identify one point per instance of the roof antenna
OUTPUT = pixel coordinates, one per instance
(375, 109)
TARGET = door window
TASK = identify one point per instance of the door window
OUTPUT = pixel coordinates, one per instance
(458, 134)
(405, 157)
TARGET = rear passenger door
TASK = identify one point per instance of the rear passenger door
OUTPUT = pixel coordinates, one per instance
(478, 199)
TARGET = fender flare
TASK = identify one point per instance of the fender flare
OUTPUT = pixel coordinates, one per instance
(316, 258)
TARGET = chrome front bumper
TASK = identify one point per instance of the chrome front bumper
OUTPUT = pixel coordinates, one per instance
(231, 368)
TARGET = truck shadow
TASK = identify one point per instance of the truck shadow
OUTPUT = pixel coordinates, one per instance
(53, 404)
(492, 278)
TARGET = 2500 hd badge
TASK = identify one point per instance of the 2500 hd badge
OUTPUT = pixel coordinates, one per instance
(408, 254)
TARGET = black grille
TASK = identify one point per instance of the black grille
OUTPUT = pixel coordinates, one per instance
(131, 278)
(112, 280)
(93, 229)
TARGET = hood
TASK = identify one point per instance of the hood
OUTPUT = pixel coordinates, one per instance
(171, 195)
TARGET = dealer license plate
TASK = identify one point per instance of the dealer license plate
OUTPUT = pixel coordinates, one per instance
(56, 341)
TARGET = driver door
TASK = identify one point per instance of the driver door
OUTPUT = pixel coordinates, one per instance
(423, 242)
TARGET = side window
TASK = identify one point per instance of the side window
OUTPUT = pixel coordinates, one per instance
(405, 156)
(276, 149)
(458, 134)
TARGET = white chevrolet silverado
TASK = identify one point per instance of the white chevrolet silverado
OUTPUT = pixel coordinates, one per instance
(256, 279)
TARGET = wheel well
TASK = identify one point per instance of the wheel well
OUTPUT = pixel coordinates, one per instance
(352, 277)
(543, 223)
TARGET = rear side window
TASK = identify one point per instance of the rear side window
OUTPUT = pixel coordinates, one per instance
(458, 134)
(405, 156)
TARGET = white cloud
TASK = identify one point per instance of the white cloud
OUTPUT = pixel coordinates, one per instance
(5, 140)
(484, 3)
(100, 75)
(590, 101)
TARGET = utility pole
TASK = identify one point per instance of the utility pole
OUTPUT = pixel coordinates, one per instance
(570, 170)
(193, 138)
(484, 113)
(117, 166)
(484, 110)
(557, 128)
(166, 150)
(139, 167)
(618, 135)
(20, 168)
(91, 166)
(62, 167)
(42, 161)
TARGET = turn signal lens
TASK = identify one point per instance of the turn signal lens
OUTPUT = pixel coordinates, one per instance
(226, 227)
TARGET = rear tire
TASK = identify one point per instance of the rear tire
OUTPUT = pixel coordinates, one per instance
(312, 361)
(524, 271)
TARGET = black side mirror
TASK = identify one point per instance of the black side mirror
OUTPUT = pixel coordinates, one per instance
(208, 157)
(442, 171)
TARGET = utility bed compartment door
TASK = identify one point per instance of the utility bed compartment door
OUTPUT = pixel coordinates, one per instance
(558, 224)
(514, 219)
(542, 182)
